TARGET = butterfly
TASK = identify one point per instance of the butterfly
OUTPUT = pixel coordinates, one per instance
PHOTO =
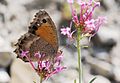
(41, 37)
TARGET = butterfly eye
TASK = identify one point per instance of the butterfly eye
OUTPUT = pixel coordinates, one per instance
(44, 20)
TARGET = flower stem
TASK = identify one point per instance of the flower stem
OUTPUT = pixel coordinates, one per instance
(41, 78)
(30, 62)
(79, 55)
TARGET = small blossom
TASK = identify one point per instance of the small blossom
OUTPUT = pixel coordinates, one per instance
(59, 69)
(58, 58)
(99, 22)
(90, 23)
(67, 31)
(38, 55)
(75, 17)
(24, 53)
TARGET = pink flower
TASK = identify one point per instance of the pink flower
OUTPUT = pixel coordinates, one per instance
(24, 53)
(67, 31)
(58, 58)
(75, 17)
(45, 68)
(86, 22)
(98, 22)
(90, 23)
(38, 55)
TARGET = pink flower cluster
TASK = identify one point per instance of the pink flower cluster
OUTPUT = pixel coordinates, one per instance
(45, 68)
(86, 23)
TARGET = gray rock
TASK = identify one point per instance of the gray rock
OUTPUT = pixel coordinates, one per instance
(4, 77)
(116, 71)
(99, 67)
(101, 79)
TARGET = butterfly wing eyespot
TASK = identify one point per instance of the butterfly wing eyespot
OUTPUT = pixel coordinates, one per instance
(44, 20)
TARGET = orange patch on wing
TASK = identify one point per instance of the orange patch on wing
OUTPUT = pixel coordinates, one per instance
(46, 32)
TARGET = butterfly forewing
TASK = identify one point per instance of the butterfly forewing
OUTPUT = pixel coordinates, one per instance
(41, 37)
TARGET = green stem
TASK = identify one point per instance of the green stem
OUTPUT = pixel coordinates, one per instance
(79, 55)
(41, 79)
(75, 81)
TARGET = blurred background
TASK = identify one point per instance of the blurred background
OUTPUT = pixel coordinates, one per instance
(101, 59)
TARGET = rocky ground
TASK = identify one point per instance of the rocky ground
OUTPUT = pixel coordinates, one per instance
(101, 59)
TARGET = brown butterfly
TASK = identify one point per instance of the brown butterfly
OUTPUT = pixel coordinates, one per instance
(41, 37)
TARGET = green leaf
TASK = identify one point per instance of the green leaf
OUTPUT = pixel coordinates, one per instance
(85, 46)
(93, 80)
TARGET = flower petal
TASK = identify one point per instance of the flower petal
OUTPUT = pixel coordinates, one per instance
(24, 53)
